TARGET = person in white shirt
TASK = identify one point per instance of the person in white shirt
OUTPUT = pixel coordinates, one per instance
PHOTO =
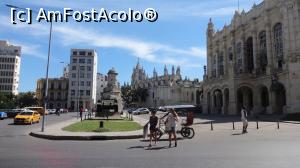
(244, 119)
(170, 123)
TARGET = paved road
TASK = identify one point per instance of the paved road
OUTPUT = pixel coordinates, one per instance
(220, 148)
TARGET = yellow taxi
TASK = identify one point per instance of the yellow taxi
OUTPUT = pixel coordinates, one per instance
(27, 117)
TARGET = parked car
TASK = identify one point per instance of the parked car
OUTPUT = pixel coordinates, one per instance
(141, 111)
(130, 110)
(40, 110)
(27, 117)
(12, 113)
(3, 115)
(65, 110)
(51, 111)
(162, 109)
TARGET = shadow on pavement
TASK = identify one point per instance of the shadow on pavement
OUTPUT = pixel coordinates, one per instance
(147, 140)
(137, 147)
(237, 134)
(157, 148)
(149, 148)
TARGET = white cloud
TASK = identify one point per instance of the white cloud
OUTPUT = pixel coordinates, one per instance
(30, 49)
(218, 12)
(151, 51)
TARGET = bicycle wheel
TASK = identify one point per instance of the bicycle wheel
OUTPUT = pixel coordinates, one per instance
(187, 132)
(184, 132)
(191, 133)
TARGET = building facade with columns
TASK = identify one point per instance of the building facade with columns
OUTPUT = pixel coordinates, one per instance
(57, 92)
(167, 89)
(255, 61)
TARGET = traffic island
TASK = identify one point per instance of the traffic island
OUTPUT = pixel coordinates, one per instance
(90, 130)
(103, 126)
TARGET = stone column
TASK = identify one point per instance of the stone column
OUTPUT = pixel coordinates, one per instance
(257, 107)
(217, 63)
(269, 49)
(232, 106)
(270, 108)
(225, 56)
(212, 107)
(224, 107)
(255, 49)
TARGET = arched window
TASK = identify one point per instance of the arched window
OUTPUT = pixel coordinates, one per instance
(192, 96)
(220, 64)
(230, 54)
(249, 64)
(214, 71)
(278, 44)
(263, 51)
(239, 58)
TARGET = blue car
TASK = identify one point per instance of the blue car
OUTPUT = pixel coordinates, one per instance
(3, 115)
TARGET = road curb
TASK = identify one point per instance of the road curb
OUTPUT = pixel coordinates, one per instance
(83, 138)
(291, 122)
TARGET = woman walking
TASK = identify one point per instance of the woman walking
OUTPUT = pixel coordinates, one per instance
(171, 120)
(244, 119)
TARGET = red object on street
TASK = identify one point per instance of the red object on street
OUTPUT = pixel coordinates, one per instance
(190, 118)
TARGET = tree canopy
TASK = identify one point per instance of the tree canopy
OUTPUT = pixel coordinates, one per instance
(11, 101)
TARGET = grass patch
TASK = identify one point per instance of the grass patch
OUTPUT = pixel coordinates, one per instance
(109, 126)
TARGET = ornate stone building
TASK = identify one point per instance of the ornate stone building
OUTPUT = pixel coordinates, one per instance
(168, 89)
(255, 61)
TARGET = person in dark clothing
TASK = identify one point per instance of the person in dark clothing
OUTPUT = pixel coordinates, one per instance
(153, 126)
(57, 111)
(80, 112)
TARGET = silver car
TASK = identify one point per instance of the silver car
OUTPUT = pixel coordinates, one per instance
(141, 111)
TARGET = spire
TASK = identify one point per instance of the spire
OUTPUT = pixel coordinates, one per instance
(178, 71)
(138, 64)
(165, 71)
(154, 73)
(210, 28)
(173, 70)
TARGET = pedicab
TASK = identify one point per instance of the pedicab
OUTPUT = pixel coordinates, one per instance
(186, 130)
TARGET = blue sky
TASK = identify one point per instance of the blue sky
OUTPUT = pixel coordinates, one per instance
(178, 37)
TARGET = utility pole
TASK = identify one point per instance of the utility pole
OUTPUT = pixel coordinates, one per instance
(48, 63)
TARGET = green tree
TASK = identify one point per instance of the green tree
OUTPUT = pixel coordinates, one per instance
(126, 93)
(7, 100)
(141, 94)
(26, 99)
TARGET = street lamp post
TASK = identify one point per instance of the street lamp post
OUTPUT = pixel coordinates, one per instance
(48, 63)
(47, 74)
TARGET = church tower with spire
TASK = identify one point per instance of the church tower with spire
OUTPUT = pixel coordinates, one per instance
(138, 75)
(210, 34)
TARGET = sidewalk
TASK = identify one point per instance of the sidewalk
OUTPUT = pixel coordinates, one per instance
(55, 132)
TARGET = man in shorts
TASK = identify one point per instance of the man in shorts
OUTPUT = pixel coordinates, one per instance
(153, 126)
